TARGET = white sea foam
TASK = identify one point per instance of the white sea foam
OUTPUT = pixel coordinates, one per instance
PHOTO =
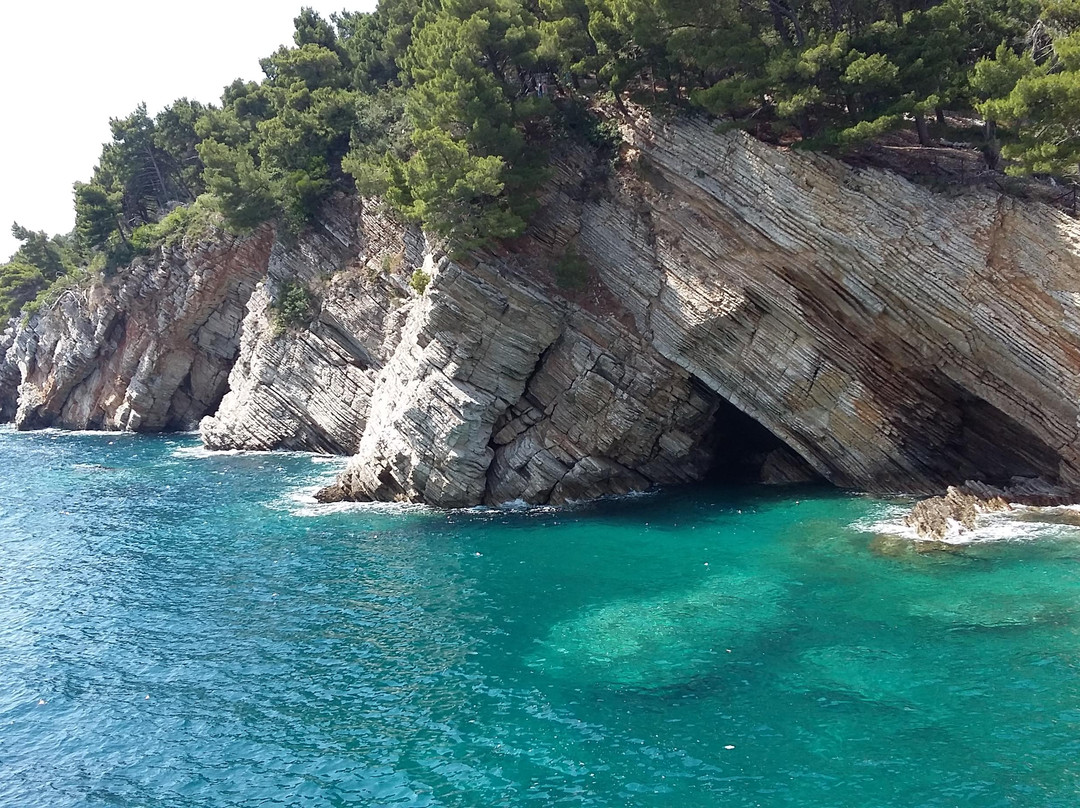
(992, 527)
(53, 431)
(202, 453)
(303, 503)
(338, 460)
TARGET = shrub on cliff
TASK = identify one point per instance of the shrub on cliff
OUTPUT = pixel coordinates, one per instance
(192, 222)
(293, 307)
(572, 271)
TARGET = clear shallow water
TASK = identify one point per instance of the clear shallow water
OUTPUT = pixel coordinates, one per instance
(184, 630)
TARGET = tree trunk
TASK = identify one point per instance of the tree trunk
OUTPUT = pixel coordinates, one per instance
(991, 149)
(922, 129)
(805, 129)
(619, 105)
(940, 116)
(161, 190)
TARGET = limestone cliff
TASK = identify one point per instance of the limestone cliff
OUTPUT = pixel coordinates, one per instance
(150, 349)
(746, 306)
(896, 338)
(309, 386)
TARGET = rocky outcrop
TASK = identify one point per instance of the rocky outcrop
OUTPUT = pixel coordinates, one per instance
(466, 352)
(309, 385)
(602, 414)
(958, 510)
(745, 308)
(9, 374)
(886, 337)
(962, 507)
(499, 393)
(147, 350)
(897, 339)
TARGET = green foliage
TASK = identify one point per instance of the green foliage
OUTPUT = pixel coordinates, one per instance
(582, 124)
(419, 281)
(572, 271)
(50, 294)
(97, 216)
(188, 223)
(293, 308)
(466, 173)
(446, 109)
(38, 264)
(20, 282)
(1041, 102)
(242, 191)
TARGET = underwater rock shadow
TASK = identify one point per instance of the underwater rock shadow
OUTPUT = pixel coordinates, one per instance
(667, 641)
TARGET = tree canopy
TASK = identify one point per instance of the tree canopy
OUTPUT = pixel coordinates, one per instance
(446, 109)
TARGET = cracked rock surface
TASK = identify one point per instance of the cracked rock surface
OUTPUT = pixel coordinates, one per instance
(148, 350)
(860, 328)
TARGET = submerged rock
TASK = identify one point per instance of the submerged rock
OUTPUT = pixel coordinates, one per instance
(873, 674)
(901, 546)
(667, 640)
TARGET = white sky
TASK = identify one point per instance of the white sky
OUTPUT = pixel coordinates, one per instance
(70, 65)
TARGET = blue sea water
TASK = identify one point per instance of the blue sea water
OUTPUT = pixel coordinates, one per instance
(185, 629)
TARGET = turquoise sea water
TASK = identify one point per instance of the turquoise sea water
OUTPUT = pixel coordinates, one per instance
(179, 629)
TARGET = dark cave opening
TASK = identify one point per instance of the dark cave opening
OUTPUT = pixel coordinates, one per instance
(993, 447)
(744, 451)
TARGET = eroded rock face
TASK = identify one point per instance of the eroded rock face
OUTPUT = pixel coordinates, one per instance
(148, 350)
(309, 386)
(603, 413)
(895, 338)
(466, 352)
(499, 391)
(883, 336)
(9, 374)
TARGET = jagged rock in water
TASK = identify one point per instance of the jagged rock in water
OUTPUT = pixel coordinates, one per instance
(961, 507)
(937, 517)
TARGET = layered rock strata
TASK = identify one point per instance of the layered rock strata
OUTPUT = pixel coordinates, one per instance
(497, 392)
(896, 338)
(309, 385)
(745, 306)
(147, 350)
(9, 374)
